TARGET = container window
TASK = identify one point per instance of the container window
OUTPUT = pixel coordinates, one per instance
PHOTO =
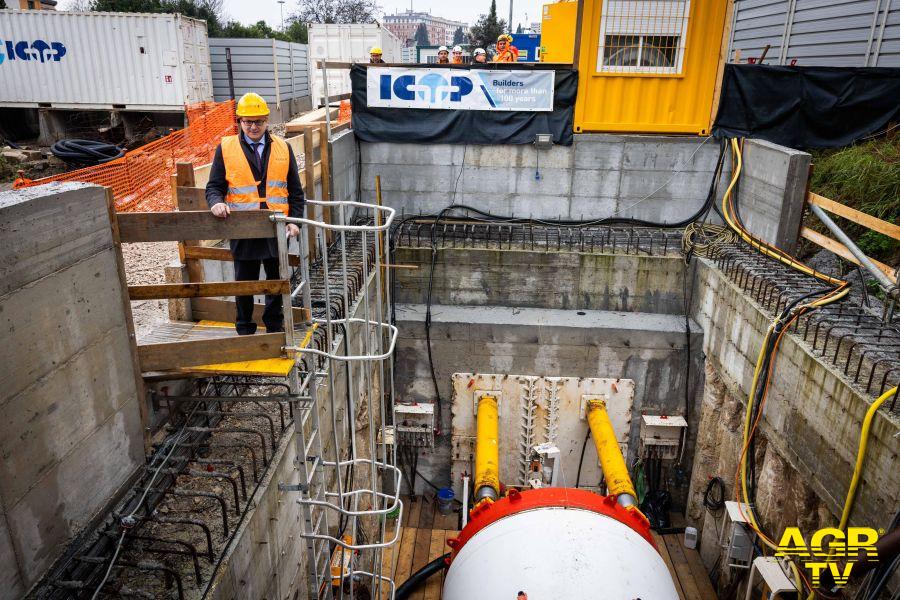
(643, 36)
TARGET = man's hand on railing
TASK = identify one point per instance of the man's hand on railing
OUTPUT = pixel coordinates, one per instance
(220, 210)
(292, 230)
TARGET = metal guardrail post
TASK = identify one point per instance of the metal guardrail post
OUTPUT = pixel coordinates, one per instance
(890, 289)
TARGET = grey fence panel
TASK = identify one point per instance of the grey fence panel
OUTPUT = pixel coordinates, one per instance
(818, 32)
(253, 66)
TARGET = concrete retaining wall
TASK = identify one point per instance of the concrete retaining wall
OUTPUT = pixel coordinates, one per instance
(810, 433)
(562, 280)
(71, 435)
(598, 176)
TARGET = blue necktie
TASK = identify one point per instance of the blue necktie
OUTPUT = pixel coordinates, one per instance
(255, 146)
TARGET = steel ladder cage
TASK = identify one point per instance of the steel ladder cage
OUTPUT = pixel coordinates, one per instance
(318, 475)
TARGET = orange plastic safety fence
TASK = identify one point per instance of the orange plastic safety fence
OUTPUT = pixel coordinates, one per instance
(344, 112)
(141, 180)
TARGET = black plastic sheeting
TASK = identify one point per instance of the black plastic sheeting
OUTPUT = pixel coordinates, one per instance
(425, 126)
(807, 107)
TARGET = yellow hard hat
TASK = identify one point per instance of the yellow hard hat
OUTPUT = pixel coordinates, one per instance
(252, 104)
(504, 36)
(375, 50)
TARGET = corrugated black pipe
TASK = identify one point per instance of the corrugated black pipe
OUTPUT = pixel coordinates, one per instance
(419, 577)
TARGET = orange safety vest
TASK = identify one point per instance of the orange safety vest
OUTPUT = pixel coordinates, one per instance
(243, 188)
(511, 54)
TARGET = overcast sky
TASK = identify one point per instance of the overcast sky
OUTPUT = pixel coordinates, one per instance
(249, 11)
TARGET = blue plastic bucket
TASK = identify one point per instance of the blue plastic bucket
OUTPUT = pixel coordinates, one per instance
(445, 498)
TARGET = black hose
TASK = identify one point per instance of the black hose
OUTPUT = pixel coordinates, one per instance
(86, 152)
(420, 576)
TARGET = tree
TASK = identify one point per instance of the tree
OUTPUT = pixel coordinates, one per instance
(294, 32)
(488, 28)
(2, 3)
(206, 10)
(459, 37)
(337, 11)
(519, 28)
(421, 36)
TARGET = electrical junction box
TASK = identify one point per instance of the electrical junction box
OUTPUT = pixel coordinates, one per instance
(414, 425)
(735, 535)
(661, 436)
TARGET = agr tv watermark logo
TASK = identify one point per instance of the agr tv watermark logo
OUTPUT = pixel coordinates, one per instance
(826, 548)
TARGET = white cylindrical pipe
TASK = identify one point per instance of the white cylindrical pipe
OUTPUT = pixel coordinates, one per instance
(554, 553)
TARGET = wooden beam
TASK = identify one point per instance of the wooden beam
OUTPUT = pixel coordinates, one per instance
(160, 291)
(187, 197)
(172, 355)
(325, 154)
(841, 250)
(723, 58)
(860, 218)
(335, 98)
(224, 311)
(224, 255)
(178, 226)
(330, 64)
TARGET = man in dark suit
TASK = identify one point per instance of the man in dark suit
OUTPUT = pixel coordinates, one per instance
(251, 171)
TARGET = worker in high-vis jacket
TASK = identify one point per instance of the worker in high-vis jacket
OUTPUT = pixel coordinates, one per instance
(255, 170)
(506, 52)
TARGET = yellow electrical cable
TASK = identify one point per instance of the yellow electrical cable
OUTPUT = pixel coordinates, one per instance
(860, 461)
(861, 455)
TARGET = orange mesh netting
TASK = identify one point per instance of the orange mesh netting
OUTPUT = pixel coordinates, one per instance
(141, 180)
(344, 112)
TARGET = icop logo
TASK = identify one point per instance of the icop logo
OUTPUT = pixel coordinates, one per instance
(38, 50)
(432, 88)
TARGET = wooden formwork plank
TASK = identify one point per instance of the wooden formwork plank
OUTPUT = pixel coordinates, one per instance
(224, 254)
(433, 585)
(177, 226)
(664, 552)
(159, 291)
(858, 217)
(225, 311)
(405, 554)
(701, 576)
(682, 569)
(173, 355)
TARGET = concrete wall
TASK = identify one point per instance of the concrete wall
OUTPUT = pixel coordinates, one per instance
(810, 433)
(561, 280)
(71, 434)
(534, 327)
(772, 192)
(598, 176)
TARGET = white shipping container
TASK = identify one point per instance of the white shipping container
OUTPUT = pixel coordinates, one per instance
(102, 60)
(346, 43)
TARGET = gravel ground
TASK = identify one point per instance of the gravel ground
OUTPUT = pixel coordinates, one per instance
(145, 263)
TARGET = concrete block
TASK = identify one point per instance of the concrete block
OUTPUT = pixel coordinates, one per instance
(595, 183)
(667, 153)
(581, 207)
(69, 495)
(47, 227)
(495, 180)
(601, 154)
(51, 418)
(10, 579)
(552, 182)
(665, 184)
(57, 317)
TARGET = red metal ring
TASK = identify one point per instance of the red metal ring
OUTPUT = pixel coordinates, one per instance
(517, 501)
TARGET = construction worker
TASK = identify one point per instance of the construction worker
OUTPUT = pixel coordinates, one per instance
(375, 56)
(443, 56)
(457, 55)
(506, 52)
(480, 56)
(255, 170)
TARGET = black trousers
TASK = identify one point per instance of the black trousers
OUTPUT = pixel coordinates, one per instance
(273, 317)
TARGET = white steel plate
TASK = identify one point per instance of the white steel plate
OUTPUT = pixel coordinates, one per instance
(537, 410)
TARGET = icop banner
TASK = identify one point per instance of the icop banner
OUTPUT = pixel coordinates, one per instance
(460, 89)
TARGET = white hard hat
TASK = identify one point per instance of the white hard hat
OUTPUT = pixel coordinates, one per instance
(457, 48)
(443, 49)
(479, 51)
